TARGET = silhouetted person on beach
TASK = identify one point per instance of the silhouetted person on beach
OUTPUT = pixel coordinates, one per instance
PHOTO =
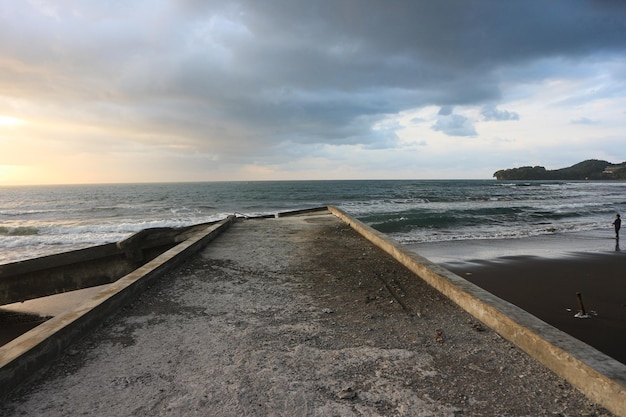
(618, 224)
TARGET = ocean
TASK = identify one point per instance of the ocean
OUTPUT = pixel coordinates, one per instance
(43, 220)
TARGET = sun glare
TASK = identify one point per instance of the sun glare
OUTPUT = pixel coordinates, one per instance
(8, 121)
(9, 174)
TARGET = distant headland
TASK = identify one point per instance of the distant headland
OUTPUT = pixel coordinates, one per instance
(591, 169)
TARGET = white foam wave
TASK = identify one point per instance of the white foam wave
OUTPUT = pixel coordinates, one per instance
(59, 237)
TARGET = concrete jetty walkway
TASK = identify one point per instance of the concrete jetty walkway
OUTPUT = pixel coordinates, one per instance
(294, 316)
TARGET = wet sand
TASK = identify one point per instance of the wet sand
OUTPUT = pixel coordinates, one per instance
(543, 274)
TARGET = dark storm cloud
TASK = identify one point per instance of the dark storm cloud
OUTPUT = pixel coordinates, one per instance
(231, 76)
(328, 70)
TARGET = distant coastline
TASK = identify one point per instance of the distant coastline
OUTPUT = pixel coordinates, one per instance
(591, 169)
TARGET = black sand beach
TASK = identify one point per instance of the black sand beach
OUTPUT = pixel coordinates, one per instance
(543, 274)
(547, 288)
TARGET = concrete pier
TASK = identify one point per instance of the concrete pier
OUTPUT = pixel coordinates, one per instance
(301, 315)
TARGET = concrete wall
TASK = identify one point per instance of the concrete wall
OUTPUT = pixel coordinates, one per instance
(600, 377)
(26, 354)
(96, 265)
(54, 274)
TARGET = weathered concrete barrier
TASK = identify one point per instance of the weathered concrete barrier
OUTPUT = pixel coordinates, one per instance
(302, 211)
(89, 267)
(600, 377)
(24, 355)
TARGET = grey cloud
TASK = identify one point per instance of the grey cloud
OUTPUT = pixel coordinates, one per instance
(445, 111)
(455, 125)
(418, 120)
(230, 76)
(491, 112)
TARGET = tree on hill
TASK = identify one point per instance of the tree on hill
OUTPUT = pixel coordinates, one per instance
(522, 173)
(592, 169)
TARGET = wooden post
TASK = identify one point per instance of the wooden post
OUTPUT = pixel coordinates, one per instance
(580, 303)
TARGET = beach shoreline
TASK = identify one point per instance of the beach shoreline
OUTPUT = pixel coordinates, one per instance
(543, 275)
(553, 245)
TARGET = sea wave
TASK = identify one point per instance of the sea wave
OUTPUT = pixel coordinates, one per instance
(19, 231)
(36, 219)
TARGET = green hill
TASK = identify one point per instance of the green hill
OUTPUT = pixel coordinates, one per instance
(591, 169)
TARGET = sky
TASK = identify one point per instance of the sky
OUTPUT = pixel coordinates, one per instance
(201, 90)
